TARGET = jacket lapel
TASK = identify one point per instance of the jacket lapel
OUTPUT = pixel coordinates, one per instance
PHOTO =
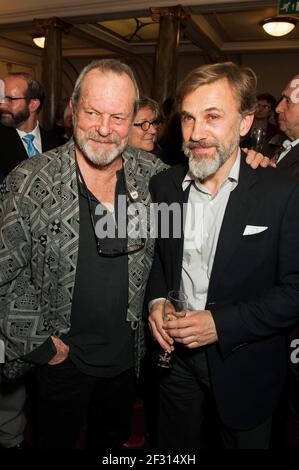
(136, 194)
(290, 159)
(178, 243)
(239, 205)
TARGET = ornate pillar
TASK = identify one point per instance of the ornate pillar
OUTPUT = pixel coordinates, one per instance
(52, 66)
(165, 74)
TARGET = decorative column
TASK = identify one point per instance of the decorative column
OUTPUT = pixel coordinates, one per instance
(52, 66)
(165, 74)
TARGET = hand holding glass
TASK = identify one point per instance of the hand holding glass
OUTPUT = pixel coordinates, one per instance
(175, 306)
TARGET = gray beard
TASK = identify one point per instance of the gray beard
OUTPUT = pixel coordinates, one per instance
(200, 167)
(100, 157)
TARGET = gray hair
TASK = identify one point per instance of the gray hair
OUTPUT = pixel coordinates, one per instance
(105, 65)
(151, 104)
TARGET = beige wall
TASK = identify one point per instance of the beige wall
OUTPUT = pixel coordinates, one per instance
(273, 69)
(13, 59)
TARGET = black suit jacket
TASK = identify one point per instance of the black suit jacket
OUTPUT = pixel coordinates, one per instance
(290, 163)
(12, 150)
(253, 291)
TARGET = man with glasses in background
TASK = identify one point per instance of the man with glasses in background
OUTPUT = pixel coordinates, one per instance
(72, 296)
(20, 133)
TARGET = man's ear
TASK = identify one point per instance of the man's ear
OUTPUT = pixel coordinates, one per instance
(34, 105)
(72, 106)
(246, 124)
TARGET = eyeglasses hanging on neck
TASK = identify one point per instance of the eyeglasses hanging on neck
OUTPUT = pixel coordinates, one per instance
(101, 249)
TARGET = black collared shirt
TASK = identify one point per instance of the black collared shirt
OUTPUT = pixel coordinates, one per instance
(100, 338)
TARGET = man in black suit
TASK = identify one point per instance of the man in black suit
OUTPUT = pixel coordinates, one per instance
(237, 260)
(19, 109)
(288, 119)
(288, 161)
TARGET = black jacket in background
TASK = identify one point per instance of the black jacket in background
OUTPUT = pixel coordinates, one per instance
(13, 152)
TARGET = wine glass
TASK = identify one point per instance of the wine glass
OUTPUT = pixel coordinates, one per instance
(2, 92)
(175, 306)
(257, 139)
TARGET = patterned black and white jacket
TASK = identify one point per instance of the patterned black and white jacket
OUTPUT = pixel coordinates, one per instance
(39, 239)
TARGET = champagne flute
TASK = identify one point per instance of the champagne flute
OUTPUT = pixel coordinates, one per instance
(175, 306)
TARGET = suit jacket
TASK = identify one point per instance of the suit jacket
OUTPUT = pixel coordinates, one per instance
(290, 163)
(13, 151)
(253, 291)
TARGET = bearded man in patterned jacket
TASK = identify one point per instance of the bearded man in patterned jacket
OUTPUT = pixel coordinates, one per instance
(71, 294)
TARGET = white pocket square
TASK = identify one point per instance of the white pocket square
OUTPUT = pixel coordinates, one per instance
(253, 229)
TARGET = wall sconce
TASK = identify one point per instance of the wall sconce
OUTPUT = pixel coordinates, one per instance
(39, 40)
(279, 25)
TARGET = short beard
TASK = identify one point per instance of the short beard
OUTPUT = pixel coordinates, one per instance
(100, 157)
(10, 120)
(203, 166)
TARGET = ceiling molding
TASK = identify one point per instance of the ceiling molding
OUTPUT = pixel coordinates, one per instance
(87, 52)
(148, 49)
(16, 11)
(205, 28)
(9, 44)
(291, 45)
(140, 50)
(231, 6)
(104, 38)
(201, 34)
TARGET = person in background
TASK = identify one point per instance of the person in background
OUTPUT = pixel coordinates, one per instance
(63, 122)
(20, 132)
(288, 120)
(288, 162)
(266, 104)
(146, 127)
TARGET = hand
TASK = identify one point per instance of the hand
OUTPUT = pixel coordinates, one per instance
(62, 351)
(256, 159)
(155, 322)
(196, 329)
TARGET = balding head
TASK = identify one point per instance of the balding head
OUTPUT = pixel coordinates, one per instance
(288, 109)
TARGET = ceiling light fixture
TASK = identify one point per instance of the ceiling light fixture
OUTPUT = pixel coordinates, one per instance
(39, 40)
(279, 25)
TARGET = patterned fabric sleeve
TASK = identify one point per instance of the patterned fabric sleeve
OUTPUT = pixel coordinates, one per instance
(15, 274)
